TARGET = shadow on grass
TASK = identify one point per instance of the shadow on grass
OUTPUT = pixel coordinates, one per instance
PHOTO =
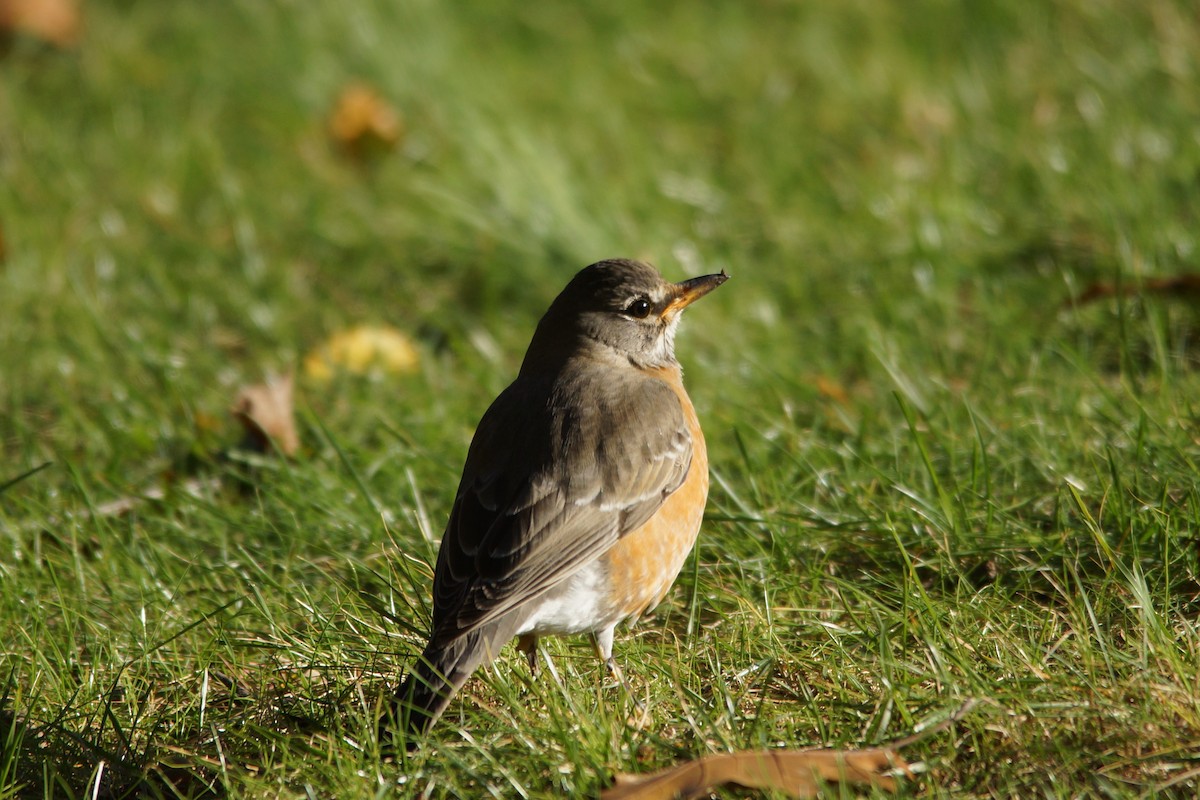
(50, 759)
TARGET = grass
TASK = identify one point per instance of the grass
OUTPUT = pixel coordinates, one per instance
(936, 477)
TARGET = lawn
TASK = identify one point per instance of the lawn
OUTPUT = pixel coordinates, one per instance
(950, 392)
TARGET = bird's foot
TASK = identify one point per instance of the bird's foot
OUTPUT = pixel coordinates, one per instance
(527, 645)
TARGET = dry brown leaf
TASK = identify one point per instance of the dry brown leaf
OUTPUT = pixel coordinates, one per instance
(363, 123)
(1185, 285)
(798, 773)
(362, 349)
(54, 21)
(266, 412)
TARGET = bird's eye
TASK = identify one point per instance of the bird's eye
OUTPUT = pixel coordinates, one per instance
(639, 308)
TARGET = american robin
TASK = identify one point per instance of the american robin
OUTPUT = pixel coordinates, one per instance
(583, 489)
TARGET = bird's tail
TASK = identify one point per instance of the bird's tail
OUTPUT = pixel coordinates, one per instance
(428, 688)
(436, 676)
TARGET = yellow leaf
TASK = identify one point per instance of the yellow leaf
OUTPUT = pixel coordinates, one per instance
(362, 349)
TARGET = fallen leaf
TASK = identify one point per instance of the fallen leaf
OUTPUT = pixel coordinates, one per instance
(266, 412)
(362, 349)
(56, 22)
(1185, 285)
(797, 773)
(832, 390)
(362, 122)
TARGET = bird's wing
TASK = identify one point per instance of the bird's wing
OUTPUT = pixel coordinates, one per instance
(548, 489)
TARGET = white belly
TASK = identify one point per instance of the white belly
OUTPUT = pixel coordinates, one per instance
(578, 605)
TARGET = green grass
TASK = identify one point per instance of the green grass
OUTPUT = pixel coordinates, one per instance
(935, 477)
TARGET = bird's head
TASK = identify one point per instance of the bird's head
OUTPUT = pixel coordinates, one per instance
(624, 306)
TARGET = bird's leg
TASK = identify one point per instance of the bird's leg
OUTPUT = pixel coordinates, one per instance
(603, 641)
(527, 644)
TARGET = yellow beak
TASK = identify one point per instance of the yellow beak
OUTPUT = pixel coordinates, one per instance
(689, 291)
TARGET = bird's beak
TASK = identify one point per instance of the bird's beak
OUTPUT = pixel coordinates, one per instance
(689, 291)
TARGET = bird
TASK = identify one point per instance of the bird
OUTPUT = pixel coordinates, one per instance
(583, 490)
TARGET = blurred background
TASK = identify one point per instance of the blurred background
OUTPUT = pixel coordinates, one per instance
(925, 181)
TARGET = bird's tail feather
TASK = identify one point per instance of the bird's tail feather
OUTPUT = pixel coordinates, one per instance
(439, 673)
(429, 686)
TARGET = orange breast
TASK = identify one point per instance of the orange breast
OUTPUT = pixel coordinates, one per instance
(644, 563)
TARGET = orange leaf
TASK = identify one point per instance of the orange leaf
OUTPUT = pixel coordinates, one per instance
(363, 123)
(53, 21)
(829, 388)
